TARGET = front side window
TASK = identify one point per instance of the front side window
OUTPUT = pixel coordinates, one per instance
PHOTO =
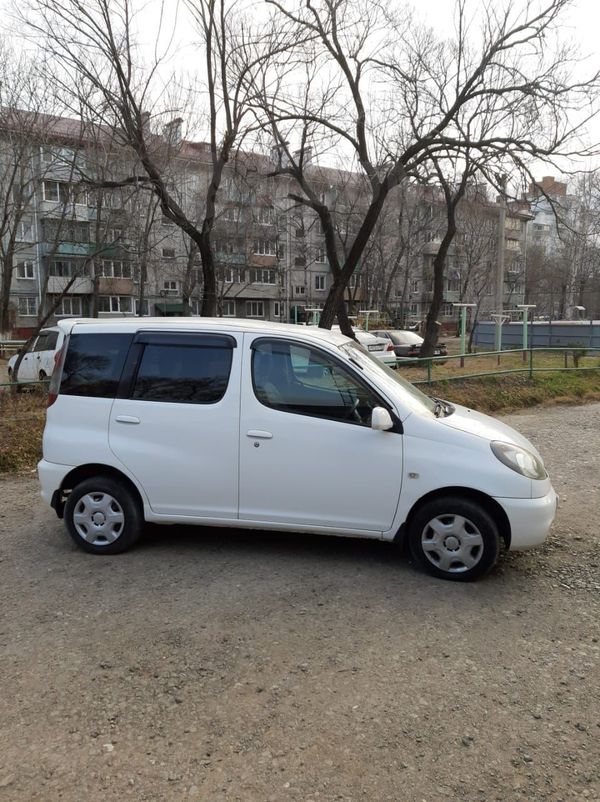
(93, 364)
(182, 374)
(300, 379)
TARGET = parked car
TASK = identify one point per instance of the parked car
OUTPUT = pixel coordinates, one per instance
(38, 362)
(407, 344)
(380, 347)
(243, 423)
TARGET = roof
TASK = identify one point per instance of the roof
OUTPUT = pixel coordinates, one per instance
(200, 324)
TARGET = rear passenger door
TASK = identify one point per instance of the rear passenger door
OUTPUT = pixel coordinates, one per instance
(175, 422)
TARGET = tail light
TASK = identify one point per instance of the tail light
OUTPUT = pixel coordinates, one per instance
(413, 350)
(390, 347)
(59, 359)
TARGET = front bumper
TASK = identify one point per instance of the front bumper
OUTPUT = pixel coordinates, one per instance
(530, 519)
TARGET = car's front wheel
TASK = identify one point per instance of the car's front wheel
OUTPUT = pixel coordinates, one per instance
(103, 517)
(454, 538)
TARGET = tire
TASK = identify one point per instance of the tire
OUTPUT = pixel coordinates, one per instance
(42, 375)
(454, 538)
(102, 516)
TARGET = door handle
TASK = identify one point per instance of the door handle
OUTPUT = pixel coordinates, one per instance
(259, 434)
(127, 419)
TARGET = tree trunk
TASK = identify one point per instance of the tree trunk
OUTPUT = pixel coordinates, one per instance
(431, 325)
(5, 294)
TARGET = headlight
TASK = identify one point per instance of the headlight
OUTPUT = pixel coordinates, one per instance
(519, 459)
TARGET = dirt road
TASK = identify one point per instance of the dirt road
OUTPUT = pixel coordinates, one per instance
(214, 665)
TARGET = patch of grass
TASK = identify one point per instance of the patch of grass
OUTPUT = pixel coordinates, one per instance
(495, 394)
(22, 418)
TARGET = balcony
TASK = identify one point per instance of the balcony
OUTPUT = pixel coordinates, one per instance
(115, 286)
(81, 286)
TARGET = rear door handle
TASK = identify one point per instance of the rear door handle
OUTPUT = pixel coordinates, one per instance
(127, 419)
(260, 434)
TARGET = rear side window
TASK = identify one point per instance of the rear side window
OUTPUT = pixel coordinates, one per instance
(94, 363)
(183, 374)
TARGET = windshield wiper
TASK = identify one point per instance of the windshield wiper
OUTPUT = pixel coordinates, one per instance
(441, 406)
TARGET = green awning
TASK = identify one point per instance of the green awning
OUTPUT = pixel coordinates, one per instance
(169, 309)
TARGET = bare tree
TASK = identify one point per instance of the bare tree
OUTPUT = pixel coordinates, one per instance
(92, 45)
(508, 95)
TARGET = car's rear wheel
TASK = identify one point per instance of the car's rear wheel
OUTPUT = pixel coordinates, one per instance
(454, 538)
(103, 517)
(42, 375)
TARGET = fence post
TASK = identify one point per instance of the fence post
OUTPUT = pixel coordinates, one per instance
(530, 361)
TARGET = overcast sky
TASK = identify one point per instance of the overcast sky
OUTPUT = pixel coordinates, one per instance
(580, 27)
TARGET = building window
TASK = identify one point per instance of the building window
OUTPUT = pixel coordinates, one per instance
(321, 256)
(453, 283)
(115, 269)
(447, 310)
(231, 275)
(194, 307)
(65, 268)
(25, 270)
(260, 276)
(115, 303)
(320, 281)
(228, 308)
(276, 309)
(56, 191)
(65, 230)
(25, 232)
(114, 234)
(265, 247)
(144, 306)
(28, 306)
(255, 309)
(299, 289)
(233, 214)
(170, 287)
(70, 306)
(414, 285)
(265, 216)
(168, 253)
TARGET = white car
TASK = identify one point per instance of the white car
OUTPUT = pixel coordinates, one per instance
(242, 423)
(38, 362)
(379, 347)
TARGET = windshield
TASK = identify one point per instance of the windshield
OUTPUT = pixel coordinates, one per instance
(388, 377)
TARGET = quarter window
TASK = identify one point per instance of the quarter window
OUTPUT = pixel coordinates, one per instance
(93, 364)
(303, 380)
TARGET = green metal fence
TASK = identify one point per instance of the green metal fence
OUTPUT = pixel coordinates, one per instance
(530, 362)
(528, 365)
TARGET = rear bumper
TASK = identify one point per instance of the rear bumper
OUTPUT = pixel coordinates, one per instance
(51, 475)
(530, 519)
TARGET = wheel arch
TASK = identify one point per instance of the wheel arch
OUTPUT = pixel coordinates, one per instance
(83, 472)
(487, 502)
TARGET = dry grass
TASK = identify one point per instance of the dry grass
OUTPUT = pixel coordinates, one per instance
(22, 418)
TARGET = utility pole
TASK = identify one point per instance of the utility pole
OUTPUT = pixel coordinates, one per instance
(500, 262)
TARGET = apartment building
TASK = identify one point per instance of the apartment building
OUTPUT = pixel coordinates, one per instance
(110, 252)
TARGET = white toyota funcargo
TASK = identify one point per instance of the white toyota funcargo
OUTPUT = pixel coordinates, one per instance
(231, 422)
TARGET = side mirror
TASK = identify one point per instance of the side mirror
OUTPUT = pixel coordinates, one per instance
(381, 420)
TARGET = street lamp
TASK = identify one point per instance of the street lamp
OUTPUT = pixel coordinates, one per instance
(463, 329)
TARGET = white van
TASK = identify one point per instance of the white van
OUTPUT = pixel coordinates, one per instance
(38, 362)
(231, 422)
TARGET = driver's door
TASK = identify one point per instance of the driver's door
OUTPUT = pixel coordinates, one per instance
(308, 455)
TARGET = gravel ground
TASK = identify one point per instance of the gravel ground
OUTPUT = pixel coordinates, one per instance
(212, 665)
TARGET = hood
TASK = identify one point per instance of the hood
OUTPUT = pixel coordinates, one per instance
(467, 420)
